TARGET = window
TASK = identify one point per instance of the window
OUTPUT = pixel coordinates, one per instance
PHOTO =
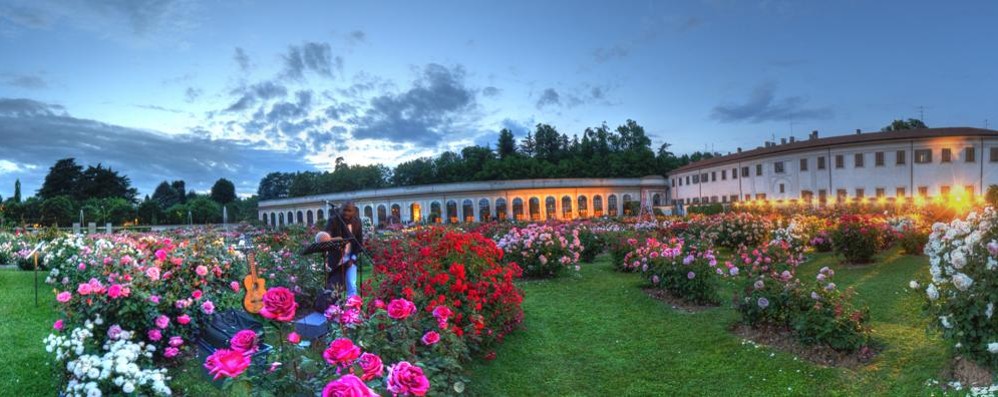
(878, 159)
(806, 196)
(880, 192)
(899, 157)
(758, 170)
(944, 190)
(947, 155)
(858, 162)
(748, 197)
(687, 179)
(923, 191)
(778, 167)
(782, 189)
(680, 181)
(803, 164)
(744, 172)
(840, 161)
(703, 178)
(822, 196)
(841, 195)
(713, 176)
(724, 199)
(724, 175)
(969, 155)
(713, 199)
(899, 192)
(760, 196)
(734, 173)
(734, 197)
(821, 162)
(923, 156)
(994, 154)
(696, 178)
(860, 193)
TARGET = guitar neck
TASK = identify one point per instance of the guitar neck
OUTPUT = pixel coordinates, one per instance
(251, 257)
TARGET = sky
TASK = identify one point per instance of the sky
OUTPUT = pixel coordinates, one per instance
(177, 89)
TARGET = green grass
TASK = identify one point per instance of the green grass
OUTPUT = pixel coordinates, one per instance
(599, 334)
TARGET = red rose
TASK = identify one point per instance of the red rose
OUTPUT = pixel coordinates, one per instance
(341, 351)
(243, 341)
(405, 378)
(228, 363)
(279, 304)
(347, 386)
(399, 309)
(430, 338)
(371, 365)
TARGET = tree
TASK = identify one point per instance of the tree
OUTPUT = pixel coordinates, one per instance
(17, 191)
(204, 210)
(101, 182)
(899, 125)
(150, 212)
(165, 196)
(180, 188)
(527, 145)
(275, 185)
(57, 210)
(62, 180)
(507, 144)
(223, 192)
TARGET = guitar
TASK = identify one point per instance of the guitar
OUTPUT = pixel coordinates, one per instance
(255, 287)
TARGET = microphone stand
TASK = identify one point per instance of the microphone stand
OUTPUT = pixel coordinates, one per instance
(360, 247)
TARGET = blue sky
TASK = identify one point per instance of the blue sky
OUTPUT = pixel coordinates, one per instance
(197, 91)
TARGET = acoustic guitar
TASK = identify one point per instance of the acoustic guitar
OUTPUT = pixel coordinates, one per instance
(255, 287)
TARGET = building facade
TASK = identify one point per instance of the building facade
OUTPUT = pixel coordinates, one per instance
(530, 199)
(882, 165)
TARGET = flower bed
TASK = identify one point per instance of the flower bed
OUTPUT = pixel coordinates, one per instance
(543, 250)
(736, 230)
(687, 271)
(858, 237)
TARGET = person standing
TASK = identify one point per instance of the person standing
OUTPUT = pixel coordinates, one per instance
(341, 265)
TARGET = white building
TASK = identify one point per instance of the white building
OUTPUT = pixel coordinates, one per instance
(535, 199)
(913, 163)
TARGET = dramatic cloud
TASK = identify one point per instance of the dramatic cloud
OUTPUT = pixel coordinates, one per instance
(262, 91)
(762, 105)
(37, 134)
(423, 115)
(491, 91)
(587, 94)
(242, 59)
(548, 97)
(23, 81)
(356, 37)
(311, 57)
(192, 94)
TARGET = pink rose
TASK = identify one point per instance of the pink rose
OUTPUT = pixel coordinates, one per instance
(114, 291)
(341, 351)
(442, 313)
(399, 309)
(207, 307)
(228, 363)
(176, 341)
(154, 335)
(378, 303)
(294, 338)
(243, 341)
(58, 325)
(153, 273)
(196, 294)
(184, 319)
(405, 378)
(279, 304)
(201, 270)
(235, 286)
(431, 338)
(371, 365)
(154, 299)
(354, 302)
(64, 296)
(161, 254)
(162, 322)
(84, 289)
(171, 352)
(347, 386)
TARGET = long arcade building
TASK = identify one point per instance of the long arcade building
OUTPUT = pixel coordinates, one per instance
(911, 164)
(528, 199)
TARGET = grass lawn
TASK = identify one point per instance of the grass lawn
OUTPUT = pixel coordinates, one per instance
(599, 334)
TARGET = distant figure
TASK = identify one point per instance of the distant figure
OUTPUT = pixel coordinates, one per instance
(341, 265)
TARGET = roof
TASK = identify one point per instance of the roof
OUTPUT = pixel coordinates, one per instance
(871, 137)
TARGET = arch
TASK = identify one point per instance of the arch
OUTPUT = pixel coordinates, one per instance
(467, 210)
(310, 217)
(518, 209)
(583, 207)
(597, 205)
(611, 205)
(320, 216)
(263, 218)
(435, 212)
(369, 213)
(483, 210)
(566, 207)
(382, 214)
(550, 207)
(501, 209)
(534, 208)
(291, 218)
(451, 211)
(415, 213)
(301, 218)
(656, 199)
(396, 214)
(627, 204)
(273, 219)
(280, 219)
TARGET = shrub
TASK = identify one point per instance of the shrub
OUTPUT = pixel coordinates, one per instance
(991, 197)
(685, 270)
(543, 250)
(857, 238)
(741, 229)
(912, 239)
(822, 242)
(592, 243)
(706, 209)
(962, 293)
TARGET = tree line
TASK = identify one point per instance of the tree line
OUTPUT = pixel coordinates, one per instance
(104, 195)
(600, 152)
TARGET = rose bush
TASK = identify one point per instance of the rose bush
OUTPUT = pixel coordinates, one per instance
(858, 237)
(735, 230)
(543, 250)
(687, 271)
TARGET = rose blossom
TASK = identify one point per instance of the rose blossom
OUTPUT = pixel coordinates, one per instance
(162, 322)
(691, 275)
(243, 341)
(354, 302)
(431, 338)
(184, 319)
(294, 338)
(201, 270)
(64, 296)
(404, 378)
(114, 291)
(228, 363)
(279, 304)
(84, 289)
(207, 307)
(58, 325)
(347, 386)
(399, 309)
(176, 341)
(235, 286)
(442, 313)
(161, 254)
(372, 366)
(154, 299)
(171, 352)
(763, 303)
(196, 294)
(153, 273)
(341, 351)
(154, 335)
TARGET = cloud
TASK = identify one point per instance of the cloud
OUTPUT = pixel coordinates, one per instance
(24, 81)
(356, 37)
(242, 59)
(41, 133)
(192, 94)
(249, 96)
(548, 97)
(491, 91)
(762, 105)
(606, 54)
(433, 108)
(311, 57)
(651, 28)
(159, 108)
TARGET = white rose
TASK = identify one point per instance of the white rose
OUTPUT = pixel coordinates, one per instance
(128, 387)
(962, 282)
(945, 322)
(913, 284)
(993, 347)
(932, 292)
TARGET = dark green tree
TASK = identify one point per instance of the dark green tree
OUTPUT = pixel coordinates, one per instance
(204, 210)
(180, 188)
(63, 179)
(17, 191)
(57, 210)
(900, 125)
(101, 182)
(223, 191)
(275, 185)
(150, 212)
(165, 195)
(507, 144)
